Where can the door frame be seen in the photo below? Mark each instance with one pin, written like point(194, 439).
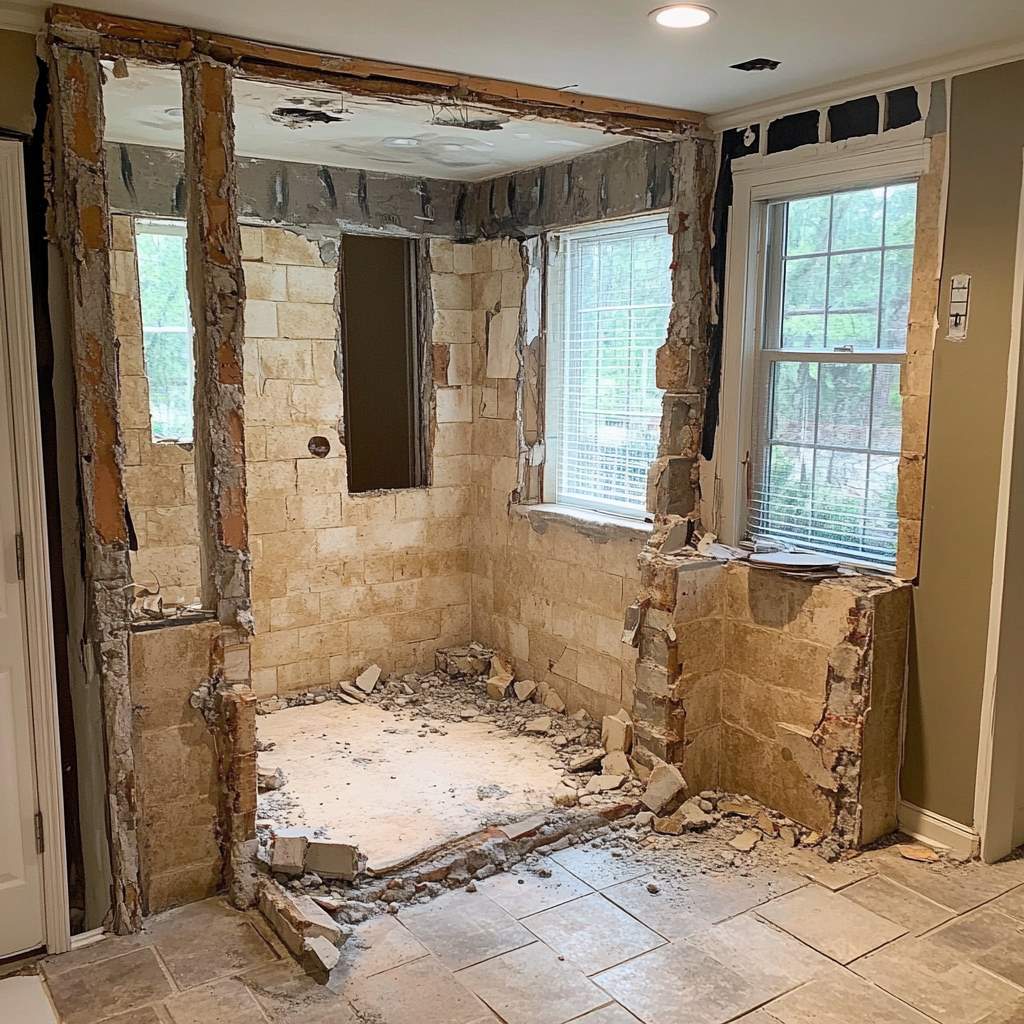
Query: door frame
point(16, 282)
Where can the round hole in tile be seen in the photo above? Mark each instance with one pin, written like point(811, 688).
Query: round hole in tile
point(319, 446)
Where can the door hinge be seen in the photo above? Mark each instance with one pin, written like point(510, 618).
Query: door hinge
point(19, 553)
point(40, 839)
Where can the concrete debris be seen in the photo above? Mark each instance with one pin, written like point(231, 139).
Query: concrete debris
point(367, 679)
point(524, 689)
point(664, 789)
point(539, 725)
point(334, 860)
point(918, 852)
point(746, 840)
point(553, 701)
point(766, 824)
point(288, 854)
point(744, 808)
point(501, 679)
point(456, 662)
point(787, 836)
point(268, 781)
point(349, 690)
point(318, 958)
point(588, 761)
point(604, 783)
point(565, 796)
point(617, 732)
point(616, 763)
point(296, 919)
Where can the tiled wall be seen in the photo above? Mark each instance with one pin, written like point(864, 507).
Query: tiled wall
point(341, 581)
point(550, 594)
point(786, 680)
point(160, 477)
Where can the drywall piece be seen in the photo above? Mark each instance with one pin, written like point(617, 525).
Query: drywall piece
point(83, 228)
point(217, 294)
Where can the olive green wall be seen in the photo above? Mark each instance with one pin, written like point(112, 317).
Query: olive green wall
point(947, 658)
point(17, 80)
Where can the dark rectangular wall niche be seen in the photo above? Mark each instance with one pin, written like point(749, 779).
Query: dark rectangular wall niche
point(380, 372)
point(901, 108)
point(853, 119)
point(792, 131)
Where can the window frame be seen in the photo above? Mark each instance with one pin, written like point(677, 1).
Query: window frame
point(759, 181)
point(555, 276)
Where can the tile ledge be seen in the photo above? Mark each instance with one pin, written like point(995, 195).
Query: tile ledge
point(597, 525)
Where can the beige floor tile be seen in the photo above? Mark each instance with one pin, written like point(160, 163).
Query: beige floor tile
point(678, 984)
point(833, 876)
point(93, 991)
point(610, 1014)
point(934, 982)
point(593, 933)
point(673, 911)
point(898, 904)
point(289, 996)
point(533, 986)
point(830, 923)
point(105, 949)
point(521, 892)
point(464, 928)
point(208, 940)
point(975, 934)
point(143, 1015)
point(423, 992)
point(773, 960)
point(379, 945)
point(227, 1001)
point(961, 887)
point(599, 868)
point(841, 998)
point(1011, 903)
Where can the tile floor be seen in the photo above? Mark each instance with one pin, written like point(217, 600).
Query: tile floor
point(875, 941)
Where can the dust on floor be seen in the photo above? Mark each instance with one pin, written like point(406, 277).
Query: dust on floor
point(394, 787)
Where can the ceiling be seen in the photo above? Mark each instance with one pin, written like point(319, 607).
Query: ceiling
point(610, 47)
point(366, 133)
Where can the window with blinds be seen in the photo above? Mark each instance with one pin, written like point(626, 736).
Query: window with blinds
point(166, 327)
point(833, 339)
point(609, 296)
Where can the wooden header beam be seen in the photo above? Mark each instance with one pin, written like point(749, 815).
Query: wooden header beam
point(158, 42)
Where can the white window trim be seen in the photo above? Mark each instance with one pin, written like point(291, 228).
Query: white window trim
point(758, 180)
point(555, 272)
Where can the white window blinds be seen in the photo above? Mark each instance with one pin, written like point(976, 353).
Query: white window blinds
point(166, 327)
point(833, 338)
point(608, 305)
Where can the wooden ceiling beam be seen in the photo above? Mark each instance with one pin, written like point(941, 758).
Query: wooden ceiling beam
point(135, 38)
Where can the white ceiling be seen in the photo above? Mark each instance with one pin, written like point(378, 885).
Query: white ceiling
point(610, 48)
point(361, 132)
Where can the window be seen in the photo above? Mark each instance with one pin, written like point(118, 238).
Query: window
point(381, 379)
point(610, 293)
point(832, 338)
point(166, 327)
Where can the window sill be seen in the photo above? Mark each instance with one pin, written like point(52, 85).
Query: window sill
point(599, 525)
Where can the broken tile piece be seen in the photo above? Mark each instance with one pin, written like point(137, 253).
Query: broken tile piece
point(319, 957)
point(616, 763)
point(288, 854)
point(367, 679)
point(745, 841)
point(664, 788)
point(334, 860)
point(524, 689)
point(617, 732)
point(539, 725)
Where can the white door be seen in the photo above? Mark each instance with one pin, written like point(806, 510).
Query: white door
point(21, 875)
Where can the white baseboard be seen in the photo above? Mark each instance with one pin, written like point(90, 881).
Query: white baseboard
point(935, 830)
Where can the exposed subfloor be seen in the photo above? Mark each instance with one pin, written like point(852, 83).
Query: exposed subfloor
point(601, 935)
point(394, 787)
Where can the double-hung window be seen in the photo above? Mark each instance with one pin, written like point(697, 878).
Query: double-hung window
point(166, 327)
point(831, 339)
point(609, 296)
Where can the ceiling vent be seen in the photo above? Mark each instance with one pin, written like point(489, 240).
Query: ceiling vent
point(757, 64)
point(303, 117)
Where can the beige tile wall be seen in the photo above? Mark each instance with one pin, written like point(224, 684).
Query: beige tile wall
point(551, 595)
point(341, 581)
point(160, 478)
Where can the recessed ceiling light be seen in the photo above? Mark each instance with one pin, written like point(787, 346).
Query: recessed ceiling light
point(401, 143)
point(682, 15)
